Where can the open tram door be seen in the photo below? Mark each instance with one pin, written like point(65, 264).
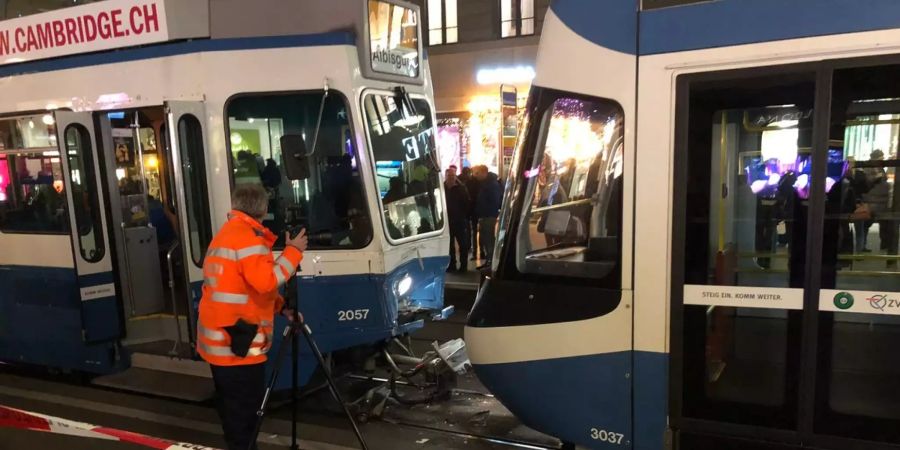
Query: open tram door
point(186, 137)
point(155, 173)
point(78, 150)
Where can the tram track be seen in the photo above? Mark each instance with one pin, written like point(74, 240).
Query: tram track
point(468, 435)
point(482, 438)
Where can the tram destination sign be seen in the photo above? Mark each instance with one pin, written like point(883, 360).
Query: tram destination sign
point(392, 50)
point(743, 296)
point(101, 26)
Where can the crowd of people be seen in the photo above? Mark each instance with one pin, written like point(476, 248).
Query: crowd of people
point(867, 197)
point(474, 197)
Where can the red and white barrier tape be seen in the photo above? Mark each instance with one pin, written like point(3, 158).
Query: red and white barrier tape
point(16, 418)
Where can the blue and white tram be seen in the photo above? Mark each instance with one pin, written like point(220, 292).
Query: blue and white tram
point(699, 241)
point(116, 168)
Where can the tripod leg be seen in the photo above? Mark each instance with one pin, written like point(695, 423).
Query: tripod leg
point(334, 391)
point(295, 385)
point(278, 359)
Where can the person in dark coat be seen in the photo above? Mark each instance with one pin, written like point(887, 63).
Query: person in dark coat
point(473, 186)
point(458, 206)
point(465, 176)
point(271, 176)
point(487, 209)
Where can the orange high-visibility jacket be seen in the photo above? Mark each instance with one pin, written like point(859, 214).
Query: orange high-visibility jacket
point(241, 281)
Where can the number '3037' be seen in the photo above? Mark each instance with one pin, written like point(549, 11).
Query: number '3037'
point(607, 436)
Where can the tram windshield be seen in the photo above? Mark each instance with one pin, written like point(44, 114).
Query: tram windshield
point(330, 204)
point(406, 166)
point(575, 187)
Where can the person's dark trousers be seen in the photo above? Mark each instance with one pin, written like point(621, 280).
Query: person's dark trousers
point(459, 239)
point(473, 236)
point(890, 241)
point(239, 393)
point(887, 230)
point(486, 227)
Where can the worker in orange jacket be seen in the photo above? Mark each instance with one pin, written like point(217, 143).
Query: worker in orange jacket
point(237, 310)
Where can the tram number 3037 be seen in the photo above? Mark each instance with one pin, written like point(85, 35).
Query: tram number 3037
point(353, 314)
point(607, 436)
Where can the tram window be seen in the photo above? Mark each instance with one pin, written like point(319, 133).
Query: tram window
point(33, 199)
point(84, 196)
point(331, 203)
point(574, 217)
point(859, 360)
point(406, 166)
point(32, 195)
point(190, 137)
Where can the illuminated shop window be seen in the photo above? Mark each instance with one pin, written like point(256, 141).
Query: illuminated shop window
point(516, 18)
point(442, 24)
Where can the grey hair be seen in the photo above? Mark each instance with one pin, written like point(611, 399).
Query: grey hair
point(251, 199)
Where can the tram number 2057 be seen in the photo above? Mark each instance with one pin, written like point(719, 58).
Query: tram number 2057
point(353, 314)
point(607, 436)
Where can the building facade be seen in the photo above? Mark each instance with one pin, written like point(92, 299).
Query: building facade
point(482, 55)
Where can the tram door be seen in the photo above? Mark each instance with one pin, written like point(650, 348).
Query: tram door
point(156, 175)
point(79, 156)
point(186, 137)
point(786, 288)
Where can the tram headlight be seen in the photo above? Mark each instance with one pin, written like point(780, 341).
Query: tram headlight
point(402, 286)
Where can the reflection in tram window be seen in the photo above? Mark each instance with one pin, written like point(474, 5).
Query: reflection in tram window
point(406, 166)
point(330, 204)
point(859, 361)
point(576, 185)
point(32, 196)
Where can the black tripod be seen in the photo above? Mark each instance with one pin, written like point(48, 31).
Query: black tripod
point(290, 332)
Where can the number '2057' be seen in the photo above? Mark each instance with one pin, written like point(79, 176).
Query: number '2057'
point(353, 314)
point(607, 436)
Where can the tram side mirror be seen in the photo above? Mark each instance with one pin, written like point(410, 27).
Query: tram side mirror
point(296, 157)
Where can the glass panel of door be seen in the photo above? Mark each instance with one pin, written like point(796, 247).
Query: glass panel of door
point(745, 243)
point(859, 304)
point(749, 274)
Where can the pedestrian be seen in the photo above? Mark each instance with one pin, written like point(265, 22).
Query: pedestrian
point(487, 209)
point(458, 206)
point(472, 186)
point(238, 306)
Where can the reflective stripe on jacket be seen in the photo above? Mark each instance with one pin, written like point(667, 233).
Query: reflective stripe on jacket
point(241, 281)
